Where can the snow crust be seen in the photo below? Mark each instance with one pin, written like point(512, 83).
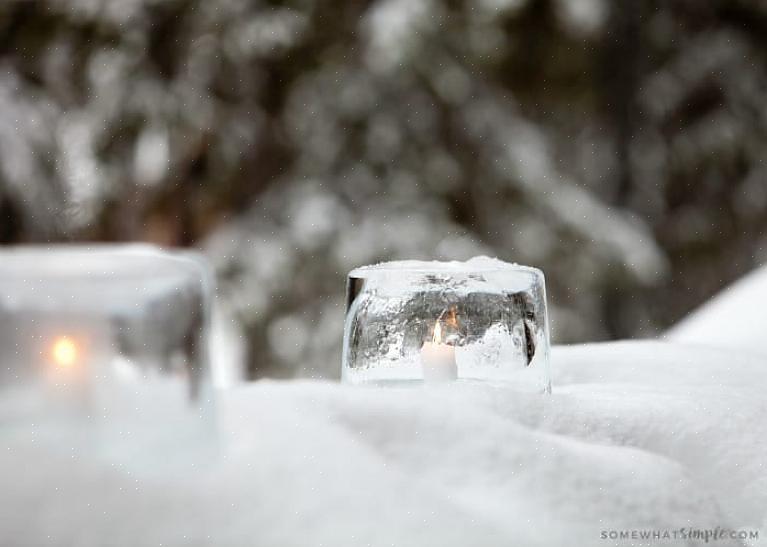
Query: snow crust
point(90, 279)
point(636, 435)
point(480, 273)
point(477, 264)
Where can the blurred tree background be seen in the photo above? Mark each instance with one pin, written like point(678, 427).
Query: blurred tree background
point(619, 146)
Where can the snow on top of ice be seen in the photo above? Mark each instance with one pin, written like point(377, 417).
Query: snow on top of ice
point(86, 278)
point(86, 262)
point(477, 264)
point(480, 273)
point(735, 318)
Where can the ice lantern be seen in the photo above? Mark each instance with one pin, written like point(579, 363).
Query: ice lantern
point(438, 322)
point(108, 342)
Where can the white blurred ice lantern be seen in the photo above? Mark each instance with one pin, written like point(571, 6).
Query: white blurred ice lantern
point(437, 322)
point(105, 343)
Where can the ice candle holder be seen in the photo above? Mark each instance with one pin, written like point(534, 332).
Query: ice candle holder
point(106, 344)
point(439, 322)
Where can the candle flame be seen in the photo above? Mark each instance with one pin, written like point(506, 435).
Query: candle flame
point(64, 352)
point(450, 318)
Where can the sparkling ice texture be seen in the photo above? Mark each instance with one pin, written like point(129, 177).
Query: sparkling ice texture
point(492, 313)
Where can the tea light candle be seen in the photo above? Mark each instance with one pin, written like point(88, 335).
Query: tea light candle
point(65, 352)
point(107, 341)
point(438, 359)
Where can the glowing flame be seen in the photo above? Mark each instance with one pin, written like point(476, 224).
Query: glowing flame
point(452, 317)
point(437, 337)
point(64, 352)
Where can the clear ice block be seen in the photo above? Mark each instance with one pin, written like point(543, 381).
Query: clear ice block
point(414, 321)
point(106, 344)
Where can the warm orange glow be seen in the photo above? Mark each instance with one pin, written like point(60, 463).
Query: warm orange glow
point(452, 317)
point(64, 351)
point(451, 320)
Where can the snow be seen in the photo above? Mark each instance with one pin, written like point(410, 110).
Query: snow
point(477, 264)
point(92, 279)
point(637, 435)
point(475, 274)
point(735, 318)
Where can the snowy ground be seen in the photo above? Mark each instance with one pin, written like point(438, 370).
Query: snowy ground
point(736, 318)
point(637, 435)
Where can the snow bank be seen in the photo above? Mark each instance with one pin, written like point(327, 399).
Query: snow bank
point(702, 408)
point(735, 318)
point(637, 435)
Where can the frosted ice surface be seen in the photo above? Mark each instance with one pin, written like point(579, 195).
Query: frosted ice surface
point(493, 313)
point(79, 279)
point(475, 264)
point(477, 272)
point(100, 342)
point(136, 300)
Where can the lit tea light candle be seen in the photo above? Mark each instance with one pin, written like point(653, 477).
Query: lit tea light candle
point(65, 360)
point(438, 359)
point(64, 352)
